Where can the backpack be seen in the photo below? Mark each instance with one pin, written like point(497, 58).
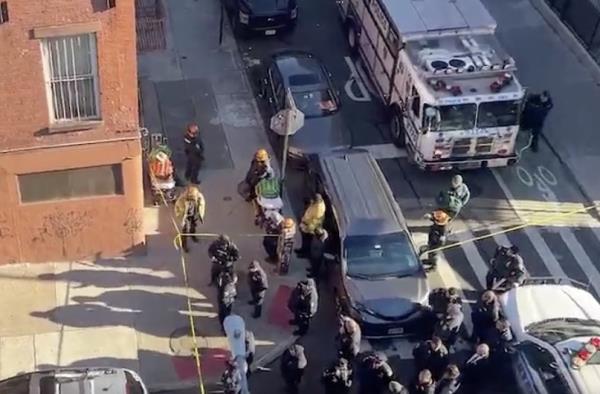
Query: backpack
point(449, 201)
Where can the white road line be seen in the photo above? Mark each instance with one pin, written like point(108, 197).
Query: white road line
point(582, 258)
point(534, 236)
point(384, 151)
point(476, 262)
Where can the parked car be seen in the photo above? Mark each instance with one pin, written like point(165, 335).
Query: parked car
point(314, 94)
point(556, 326)
point(75, 381)
point(267, 17)
point(377, 276)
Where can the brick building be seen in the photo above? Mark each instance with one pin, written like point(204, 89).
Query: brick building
point(70, 154)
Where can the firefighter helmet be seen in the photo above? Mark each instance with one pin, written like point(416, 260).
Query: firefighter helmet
point(261, 155)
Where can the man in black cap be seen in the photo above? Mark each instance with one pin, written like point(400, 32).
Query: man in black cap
point(537, 108)
point(194, 153)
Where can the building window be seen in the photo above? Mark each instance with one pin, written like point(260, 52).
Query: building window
point(71, 70)
point(69, 184)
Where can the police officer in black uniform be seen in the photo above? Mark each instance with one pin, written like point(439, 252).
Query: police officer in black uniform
point(227, 292)
point(337, 379)
point(317, 252)
point(431, 355)
point(194, 153)
point(448, 327)
point(293, 362)
point(375, 374)
point(303, 303)
point(485, 314)
point(450, 381)
point(223, 253)
point(258, 283)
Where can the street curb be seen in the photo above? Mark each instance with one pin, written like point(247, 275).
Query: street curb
point(274, 353)
point(568, 37)
point(183, 385)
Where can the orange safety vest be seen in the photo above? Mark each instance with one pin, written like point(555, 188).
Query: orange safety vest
point(162, 169)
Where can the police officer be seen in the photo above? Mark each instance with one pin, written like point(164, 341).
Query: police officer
point(375, 374)
point(227, 292)
point(223, 253)
point(499, 339)
point(348, 338)
point(317, 251)
point(250, 342)
point(477, 369)
point(231, 378)
point(448, 328)
point(337, 379)
point(258, 283)
point(507, 268)
point(293, 362)
point(485, 314)
point(194, 153)
point(303, 303)
point(449, 383)
point(189, 210)
point(441, 298)
point(431, 355)
point(424, 383)
point(536, 110)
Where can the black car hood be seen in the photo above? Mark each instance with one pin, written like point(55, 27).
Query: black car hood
point(268, 7)
point(320, 135)
point(388, 298)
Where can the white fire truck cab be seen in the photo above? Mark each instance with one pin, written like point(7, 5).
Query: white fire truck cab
point(452, 92)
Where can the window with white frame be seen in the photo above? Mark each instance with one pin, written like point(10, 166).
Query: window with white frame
point(71, 71)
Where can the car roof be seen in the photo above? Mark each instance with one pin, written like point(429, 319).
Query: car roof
point(363, 202)
point(300, 70)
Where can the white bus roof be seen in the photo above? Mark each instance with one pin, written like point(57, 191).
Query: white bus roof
point(415, 19)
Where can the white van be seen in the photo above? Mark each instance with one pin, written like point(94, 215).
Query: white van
point(556, 324)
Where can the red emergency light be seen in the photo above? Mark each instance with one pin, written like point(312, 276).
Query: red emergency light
point(584, 354)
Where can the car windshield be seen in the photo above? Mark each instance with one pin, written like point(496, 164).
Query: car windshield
point(315, 103)
point(499, 114)
point(557, 330)
point(380, 256)
point(545, 366)
point(455, 117)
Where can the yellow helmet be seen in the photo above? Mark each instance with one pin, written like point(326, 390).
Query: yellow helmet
point(261, 155)
point(288, 223)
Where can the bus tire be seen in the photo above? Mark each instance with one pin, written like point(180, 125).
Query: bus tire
point(397, 131)
point(353, 36)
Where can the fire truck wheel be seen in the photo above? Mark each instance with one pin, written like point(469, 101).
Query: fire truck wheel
point(353, 37)
point(397, 127)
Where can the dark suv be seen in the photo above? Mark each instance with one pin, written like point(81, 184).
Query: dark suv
point(264, 16)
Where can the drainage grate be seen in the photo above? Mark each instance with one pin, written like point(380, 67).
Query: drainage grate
point(150, 25)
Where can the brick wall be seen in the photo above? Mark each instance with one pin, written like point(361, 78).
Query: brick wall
point(23, 101)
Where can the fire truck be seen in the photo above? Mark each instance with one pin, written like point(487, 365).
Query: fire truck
point(451, 89)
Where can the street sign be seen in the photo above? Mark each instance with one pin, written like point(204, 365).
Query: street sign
point(287, 121)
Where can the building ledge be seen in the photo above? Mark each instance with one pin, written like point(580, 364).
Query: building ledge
point(74, 126)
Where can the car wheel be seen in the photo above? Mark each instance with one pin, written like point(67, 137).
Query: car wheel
point(397, 127)
point(239, 30)
point(353, 37)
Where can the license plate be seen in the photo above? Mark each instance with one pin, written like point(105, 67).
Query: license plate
point(396, 331)
point(475, 164)
point(270, 32)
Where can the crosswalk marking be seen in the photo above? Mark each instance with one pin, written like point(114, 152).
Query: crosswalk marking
point(582, 258)
point(534, 236)
point(477, 262)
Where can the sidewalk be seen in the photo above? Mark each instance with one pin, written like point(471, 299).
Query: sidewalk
point(550, 57)
point(132, 312)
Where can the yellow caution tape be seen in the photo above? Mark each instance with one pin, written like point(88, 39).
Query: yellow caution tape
point(538, 222)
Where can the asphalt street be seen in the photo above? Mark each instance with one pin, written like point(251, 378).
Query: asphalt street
point(534, 190)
